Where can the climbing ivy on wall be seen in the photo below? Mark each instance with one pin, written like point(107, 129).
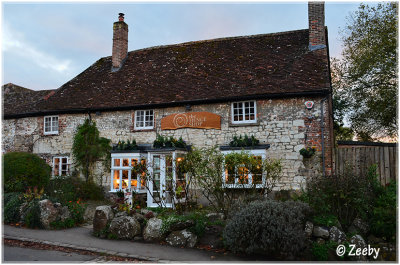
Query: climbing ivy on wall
point(89, 147)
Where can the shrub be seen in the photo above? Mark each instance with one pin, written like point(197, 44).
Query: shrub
point(71, 188)
point(32, 214)
point(383, 218)
point(267, 227)
point(344, 196)
point(22, 170)
point(12, 204)
point(77, 209)
point(67, 223)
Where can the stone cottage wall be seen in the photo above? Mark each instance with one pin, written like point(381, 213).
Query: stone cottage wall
point(285, 124)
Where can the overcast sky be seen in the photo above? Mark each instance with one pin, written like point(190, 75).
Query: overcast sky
point(44, 45)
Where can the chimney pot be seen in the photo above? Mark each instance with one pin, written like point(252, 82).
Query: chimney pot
point(121, 16)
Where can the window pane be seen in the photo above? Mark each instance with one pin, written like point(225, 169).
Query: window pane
point(125, 177)
point(56, 167)
point(116, 162)
point(125, 162)
point(116, 179)
point(243, 175)
point(257, 171)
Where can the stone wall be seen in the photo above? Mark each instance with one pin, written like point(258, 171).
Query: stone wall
point(285, 124)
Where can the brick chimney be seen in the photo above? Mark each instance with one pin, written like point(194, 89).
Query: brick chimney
point(316, 25)
point(120, 43)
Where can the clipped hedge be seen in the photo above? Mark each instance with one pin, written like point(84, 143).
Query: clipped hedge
point(22, 170)
point(268, 227)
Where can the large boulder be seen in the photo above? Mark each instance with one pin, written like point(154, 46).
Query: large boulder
point(360, 226)
point(359, 242)
point(64, 213)
point(48, 213)
point(102, 216)
point(320, 231)
point(125, 227)
point(152, 231)
point(336, 235)
point(182, 238)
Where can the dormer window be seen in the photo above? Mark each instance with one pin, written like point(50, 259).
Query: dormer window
point(51, 125)
point(144, 119)
point(244, 112)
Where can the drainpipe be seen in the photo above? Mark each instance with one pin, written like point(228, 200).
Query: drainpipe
point(322, 135)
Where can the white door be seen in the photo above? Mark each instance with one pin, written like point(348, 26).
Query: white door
point(160, 181)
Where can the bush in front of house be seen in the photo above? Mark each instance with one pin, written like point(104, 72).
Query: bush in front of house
point(22, 170)
point(12, 203)
point(344, 196)
point(268, 227)
point(71, 188)
point(383, 215)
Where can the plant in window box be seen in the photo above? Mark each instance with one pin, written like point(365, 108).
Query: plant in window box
point(165, 142)
point(244, 142)
point(307, 152)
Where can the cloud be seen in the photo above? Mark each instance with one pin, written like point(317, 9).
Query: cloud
point(14, 42)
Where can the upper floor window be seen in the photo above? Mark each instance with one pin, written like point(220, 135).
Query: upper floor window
point(60, 166)
point(244, 112)
point(144, 119)
point(51, 125)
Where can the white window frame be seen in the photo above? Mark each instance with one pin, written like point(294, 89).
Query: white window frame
point(244, 121)
point(120, 168)
point(255, 152)
point(145, 113)
point(52, 129)
point(60, 165)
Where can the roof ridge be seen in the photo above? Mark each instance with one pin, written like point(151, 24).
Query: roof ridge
point(215, 40)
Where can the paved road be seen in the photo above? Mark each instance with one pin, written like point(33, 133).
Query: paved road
point(17, 254)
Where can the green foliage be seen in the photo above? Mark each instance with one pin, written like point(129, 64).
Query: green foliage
point(342, 133)
point(121, 145)
point(267, 227)
point(165, 142)
point(12, 204)
point(22, 170)
point(77, 209)
point(307, 152)
point(88, 147)
point(67, 223)
point(243, 142)
point(345, 196)
point(383, 218)
point(321, 251)
point(71, 188)
point(325, 220)
point(366, 78)
point(205, 165)
point(32, 214)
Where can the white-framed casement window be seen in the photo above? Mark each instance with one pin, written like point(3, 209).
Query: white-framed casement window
point(123, 175)
point(51, 125)
point(244, 112)
point(242, 177)
point(60, 166)
point(144, 119)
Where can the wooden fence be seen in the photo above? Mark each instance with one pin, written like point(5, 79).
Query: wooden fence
point(357, 157)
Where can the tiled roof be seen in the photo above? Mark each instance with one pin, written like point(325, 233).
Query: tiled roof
point(218, 69)
point(18, 99)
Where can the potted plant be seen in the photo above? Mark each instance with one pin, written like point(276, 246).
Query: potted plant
point(308, 152)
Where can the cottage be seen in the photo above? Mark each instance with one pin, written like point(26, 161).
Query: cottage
point(275, 87)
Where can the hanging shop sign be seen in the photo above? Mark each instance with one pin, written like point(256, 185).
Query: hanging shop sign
point(200, 120)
